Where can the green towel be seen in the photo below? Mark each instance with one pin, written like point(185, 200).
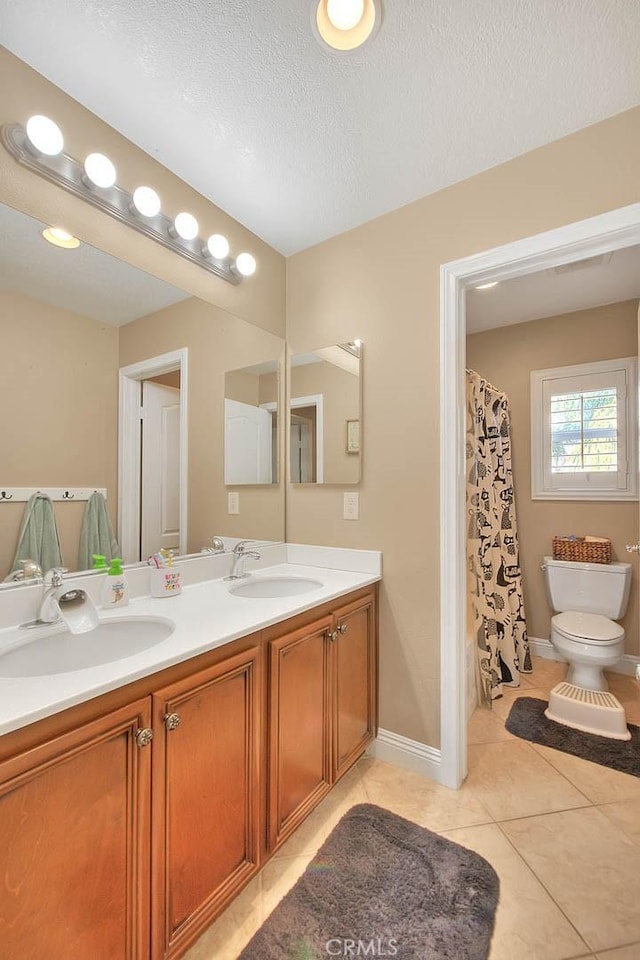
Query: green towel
point(38, 539)
point(96, 535)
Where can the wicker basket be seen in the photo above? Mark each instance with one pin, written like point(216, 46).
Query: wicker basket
point(586, 551)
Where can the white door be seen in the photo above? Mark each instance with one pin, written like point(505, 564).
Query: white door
point(247, 443)
point(300, 452)
point(160, 474)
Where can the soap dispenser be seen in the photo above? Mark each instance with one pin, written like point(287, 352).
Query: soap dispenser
point(115, 592)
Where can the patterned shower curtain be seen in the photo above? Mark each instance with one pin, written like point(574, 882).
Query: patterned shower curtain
point(496, 605)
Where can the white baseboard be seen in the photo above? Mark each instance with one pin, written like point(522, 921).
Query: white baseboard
point(408, 754)
point(544, 648)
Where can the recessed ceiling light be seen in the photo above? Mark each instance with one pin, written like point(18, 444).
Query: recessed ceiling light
point(60, 238)
point(487, 286)
point(346, 24)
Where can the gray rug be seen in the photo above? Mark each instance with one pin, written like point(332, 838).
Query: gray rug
point(527, 720)
point(381, 886)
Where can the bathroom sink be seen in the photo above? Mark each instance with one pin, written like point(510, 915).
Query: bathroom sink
point(263, 588)
point(63, 652)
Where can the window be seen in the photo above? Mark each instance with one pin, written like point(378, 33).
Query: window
point(584, 432)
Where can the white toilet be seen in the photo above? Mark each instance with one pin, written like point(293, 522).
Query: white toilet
point(588, 598)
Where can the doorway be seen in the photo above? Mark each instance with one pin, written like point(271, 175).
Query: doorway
point(588, 238)
point(152, 456)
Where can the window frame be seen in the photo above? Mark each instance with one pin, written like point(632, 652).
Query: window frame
point(579, 486)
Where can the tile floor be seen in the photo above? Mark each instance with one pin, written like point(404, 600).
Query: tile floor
point(562, 833)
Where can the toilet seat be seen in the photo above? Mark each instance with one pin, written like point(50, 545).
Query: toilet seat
point(587, 628)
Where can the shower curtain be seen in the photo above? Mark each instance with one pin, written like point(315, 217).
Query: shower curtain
point(496, 605)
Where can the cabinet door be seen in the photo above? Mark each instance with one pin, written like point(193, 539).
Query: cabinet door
point(355, 682)
point(206, 798)
point(299, 726)
point(74, 844)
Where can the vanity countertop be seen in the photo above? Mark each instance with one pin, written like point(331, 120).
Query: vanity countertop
point(206, 616)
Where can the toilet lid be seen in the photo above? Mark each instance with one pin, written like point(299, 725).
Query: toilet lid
point(590, 626)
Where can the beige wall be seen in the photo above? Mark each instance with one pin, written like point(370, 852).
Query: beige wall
point(59, 419)
point(380, 282)
point(216, 342)
point(23, 92)
point(506, 357)
point(340, 391)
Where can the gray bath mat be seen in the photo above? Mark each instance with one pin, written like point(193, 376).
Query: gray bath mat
point(527, 720)
point(381, 886)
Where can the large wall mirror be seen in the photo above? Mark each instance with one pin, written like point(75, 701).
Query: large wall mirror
point(70, 320)
point(325, 415)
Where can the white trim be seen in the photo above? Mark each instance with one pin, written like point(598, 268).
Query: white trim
point(314, 400)
point(408, 754)
point(577, 241)
point(130, 378)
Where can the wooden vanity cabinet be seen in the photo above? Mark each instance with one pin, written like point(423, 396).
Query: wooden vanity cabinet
point(322, 683)
point(206, 797)
point(74, 825)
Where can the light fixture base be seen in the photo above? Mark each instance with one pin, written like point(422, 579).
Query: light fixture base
point(66, 172)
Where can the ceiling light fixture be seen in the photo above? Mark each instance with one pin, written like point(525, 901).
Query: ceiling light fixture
point(60, 238)
point(39, 145)
point(486, 286)
point(346, 24)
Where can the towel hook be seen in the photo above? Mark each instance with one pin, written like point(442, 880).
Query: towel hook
point(5, 496)
point(68, 496)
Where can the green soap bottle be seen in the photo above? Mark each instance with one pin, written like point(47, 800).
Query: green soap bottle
point(115, 592)
point(99, 562)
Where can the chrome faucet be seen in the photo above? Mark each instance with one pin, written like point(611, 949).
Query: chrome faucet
point(49, 607)
point(240, 555)
point(29, 570)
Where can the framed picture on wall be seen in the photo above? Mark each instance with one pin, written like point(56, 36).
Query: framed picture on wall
point(353, 436)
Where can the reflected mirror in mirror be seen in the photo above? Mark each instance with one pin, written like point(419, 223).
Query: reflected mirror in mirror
point(70, 320)
point(251, 425)
point(325, 413)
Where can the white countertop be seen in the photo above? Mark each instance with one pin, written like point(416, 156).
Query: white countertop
point(206, 616)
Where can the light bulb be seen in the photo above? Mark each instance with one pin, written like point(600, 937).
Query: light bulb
point(100, 171)
point(146, 201)
point(218, 246)
point(60, 238)
point(186, 226)
point(345, 14)
point(245, 264)
point(45, 135)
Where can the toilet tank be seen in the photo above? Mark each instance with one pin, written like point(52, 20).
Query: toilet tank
point(590, 587)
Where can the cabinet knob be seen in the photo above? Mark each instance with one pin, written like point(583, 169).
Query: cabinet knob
point(172, 721)
point(342, 628)
point(144, 737)
point(333, 635)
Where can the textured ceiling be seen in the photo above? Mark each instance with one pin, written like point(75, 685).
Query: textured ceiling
point(298, 143)
point(86, 281)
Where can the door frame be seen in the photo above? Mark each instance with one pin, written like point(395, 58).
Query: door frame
point(314, 400)
point(129, 445)
point(597, 235)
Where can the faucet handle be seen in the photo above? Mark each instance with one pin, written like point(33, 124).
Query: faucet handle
point(54, 577)
point(241, 546)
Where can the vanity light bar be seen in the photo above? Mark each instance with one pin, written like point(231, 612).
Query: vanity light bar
point(71, 175)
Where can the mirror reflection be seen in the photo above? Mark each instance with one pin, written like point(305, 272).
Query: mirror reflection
point(251, 425)
point(324, 412)
point(71, 319)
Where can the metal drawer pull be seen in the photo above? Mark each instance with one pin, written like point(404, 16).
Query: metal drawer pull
point(144, 737)
point(171, 721)
point(332, 635)
point(342, 628)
